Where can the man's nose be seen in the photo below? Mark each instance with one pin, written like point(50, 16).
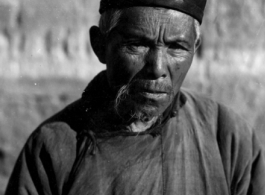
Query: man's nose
point(156, 64)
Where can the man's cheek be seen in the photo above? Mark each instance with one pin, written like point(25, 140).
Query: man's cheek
point(178, 79)
point(119, 72)
point(133, 64)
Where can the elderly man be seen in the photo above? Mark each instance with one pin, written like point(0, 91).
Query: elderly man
point(134, 131)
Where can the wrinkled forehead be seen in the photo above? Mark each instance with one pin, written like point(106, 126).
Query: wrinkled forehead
point(151, 18)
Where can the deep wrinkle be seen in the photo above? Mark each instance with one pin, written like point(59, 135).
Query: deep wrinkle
point(152, 47)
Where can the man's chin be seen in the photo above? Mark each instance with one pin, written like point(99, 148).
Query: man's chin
point(138, 111)
point(148, 110)
point(145, 112)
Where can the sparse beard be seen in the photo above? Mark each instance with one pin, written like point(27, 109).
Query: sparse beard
point(127, 108)
point(124, 106)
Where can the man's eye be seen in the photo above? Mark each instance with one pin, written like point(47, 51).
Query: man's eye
point(177, 46)
point(136, 47)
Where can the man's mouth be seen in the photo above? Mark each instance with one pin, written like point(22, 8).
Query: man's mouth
point(151, 93)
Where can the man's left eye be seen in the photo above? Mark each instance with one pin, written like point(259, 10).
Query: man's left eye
point(177, 46)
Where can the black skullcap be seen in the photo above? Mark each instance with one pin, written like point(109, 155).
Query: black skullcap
point(193, 8)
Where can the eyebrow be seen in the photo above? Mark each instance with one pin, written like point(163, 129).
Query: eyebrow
point(178, 40)
point(134, 34)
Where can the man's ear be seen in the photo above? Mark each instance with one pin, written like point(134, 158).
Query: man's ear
point(198, 43)
point(97, 40)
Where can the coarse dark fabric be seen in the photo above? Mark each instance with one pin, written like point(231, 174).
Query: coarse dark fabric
point(194, 8)
point(200, 148)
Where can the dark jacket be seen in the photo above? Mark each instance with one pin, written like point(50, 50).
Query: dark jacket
point(201, 148)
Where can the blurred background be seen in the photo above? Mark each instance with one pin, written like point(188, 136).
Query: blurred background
point(46, 61)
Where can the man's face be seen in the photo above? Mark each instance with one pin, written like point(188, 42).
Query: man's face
point(150, 51)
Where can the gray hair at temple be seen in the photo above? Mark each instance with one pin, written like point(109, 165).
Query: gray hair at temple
point(110, 19)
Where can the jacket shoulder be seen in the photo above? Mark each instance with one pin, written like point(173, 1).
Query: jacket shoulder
point(224, 117)
point(241, 154)
point(217, 120)
point(59, 129)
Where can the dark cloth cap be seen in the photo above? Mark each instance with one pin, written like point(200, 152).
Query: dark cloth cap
point(193, 8)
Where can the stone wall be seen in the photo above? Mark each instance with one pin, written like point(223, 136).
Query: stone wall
point(47, 27)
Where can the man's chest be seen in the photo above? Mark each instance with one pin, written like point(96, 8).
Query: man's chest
point(165, 164)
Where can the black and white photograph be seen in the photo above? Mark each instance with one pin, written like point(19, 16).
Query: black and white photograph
point(132, 97)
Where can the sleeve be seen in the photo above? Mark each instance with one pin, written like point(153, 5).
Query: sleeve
point(257, 182)
point(44, 164)
point(29, 176)
point(242, 155)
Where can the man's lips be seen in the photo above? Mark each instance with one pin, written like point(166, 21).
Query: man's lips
point(155, 91)
point(150, 89)
point(151, 93)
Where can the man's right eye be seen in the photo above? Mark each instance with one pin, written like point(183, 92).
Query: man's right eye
point(136, 47)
